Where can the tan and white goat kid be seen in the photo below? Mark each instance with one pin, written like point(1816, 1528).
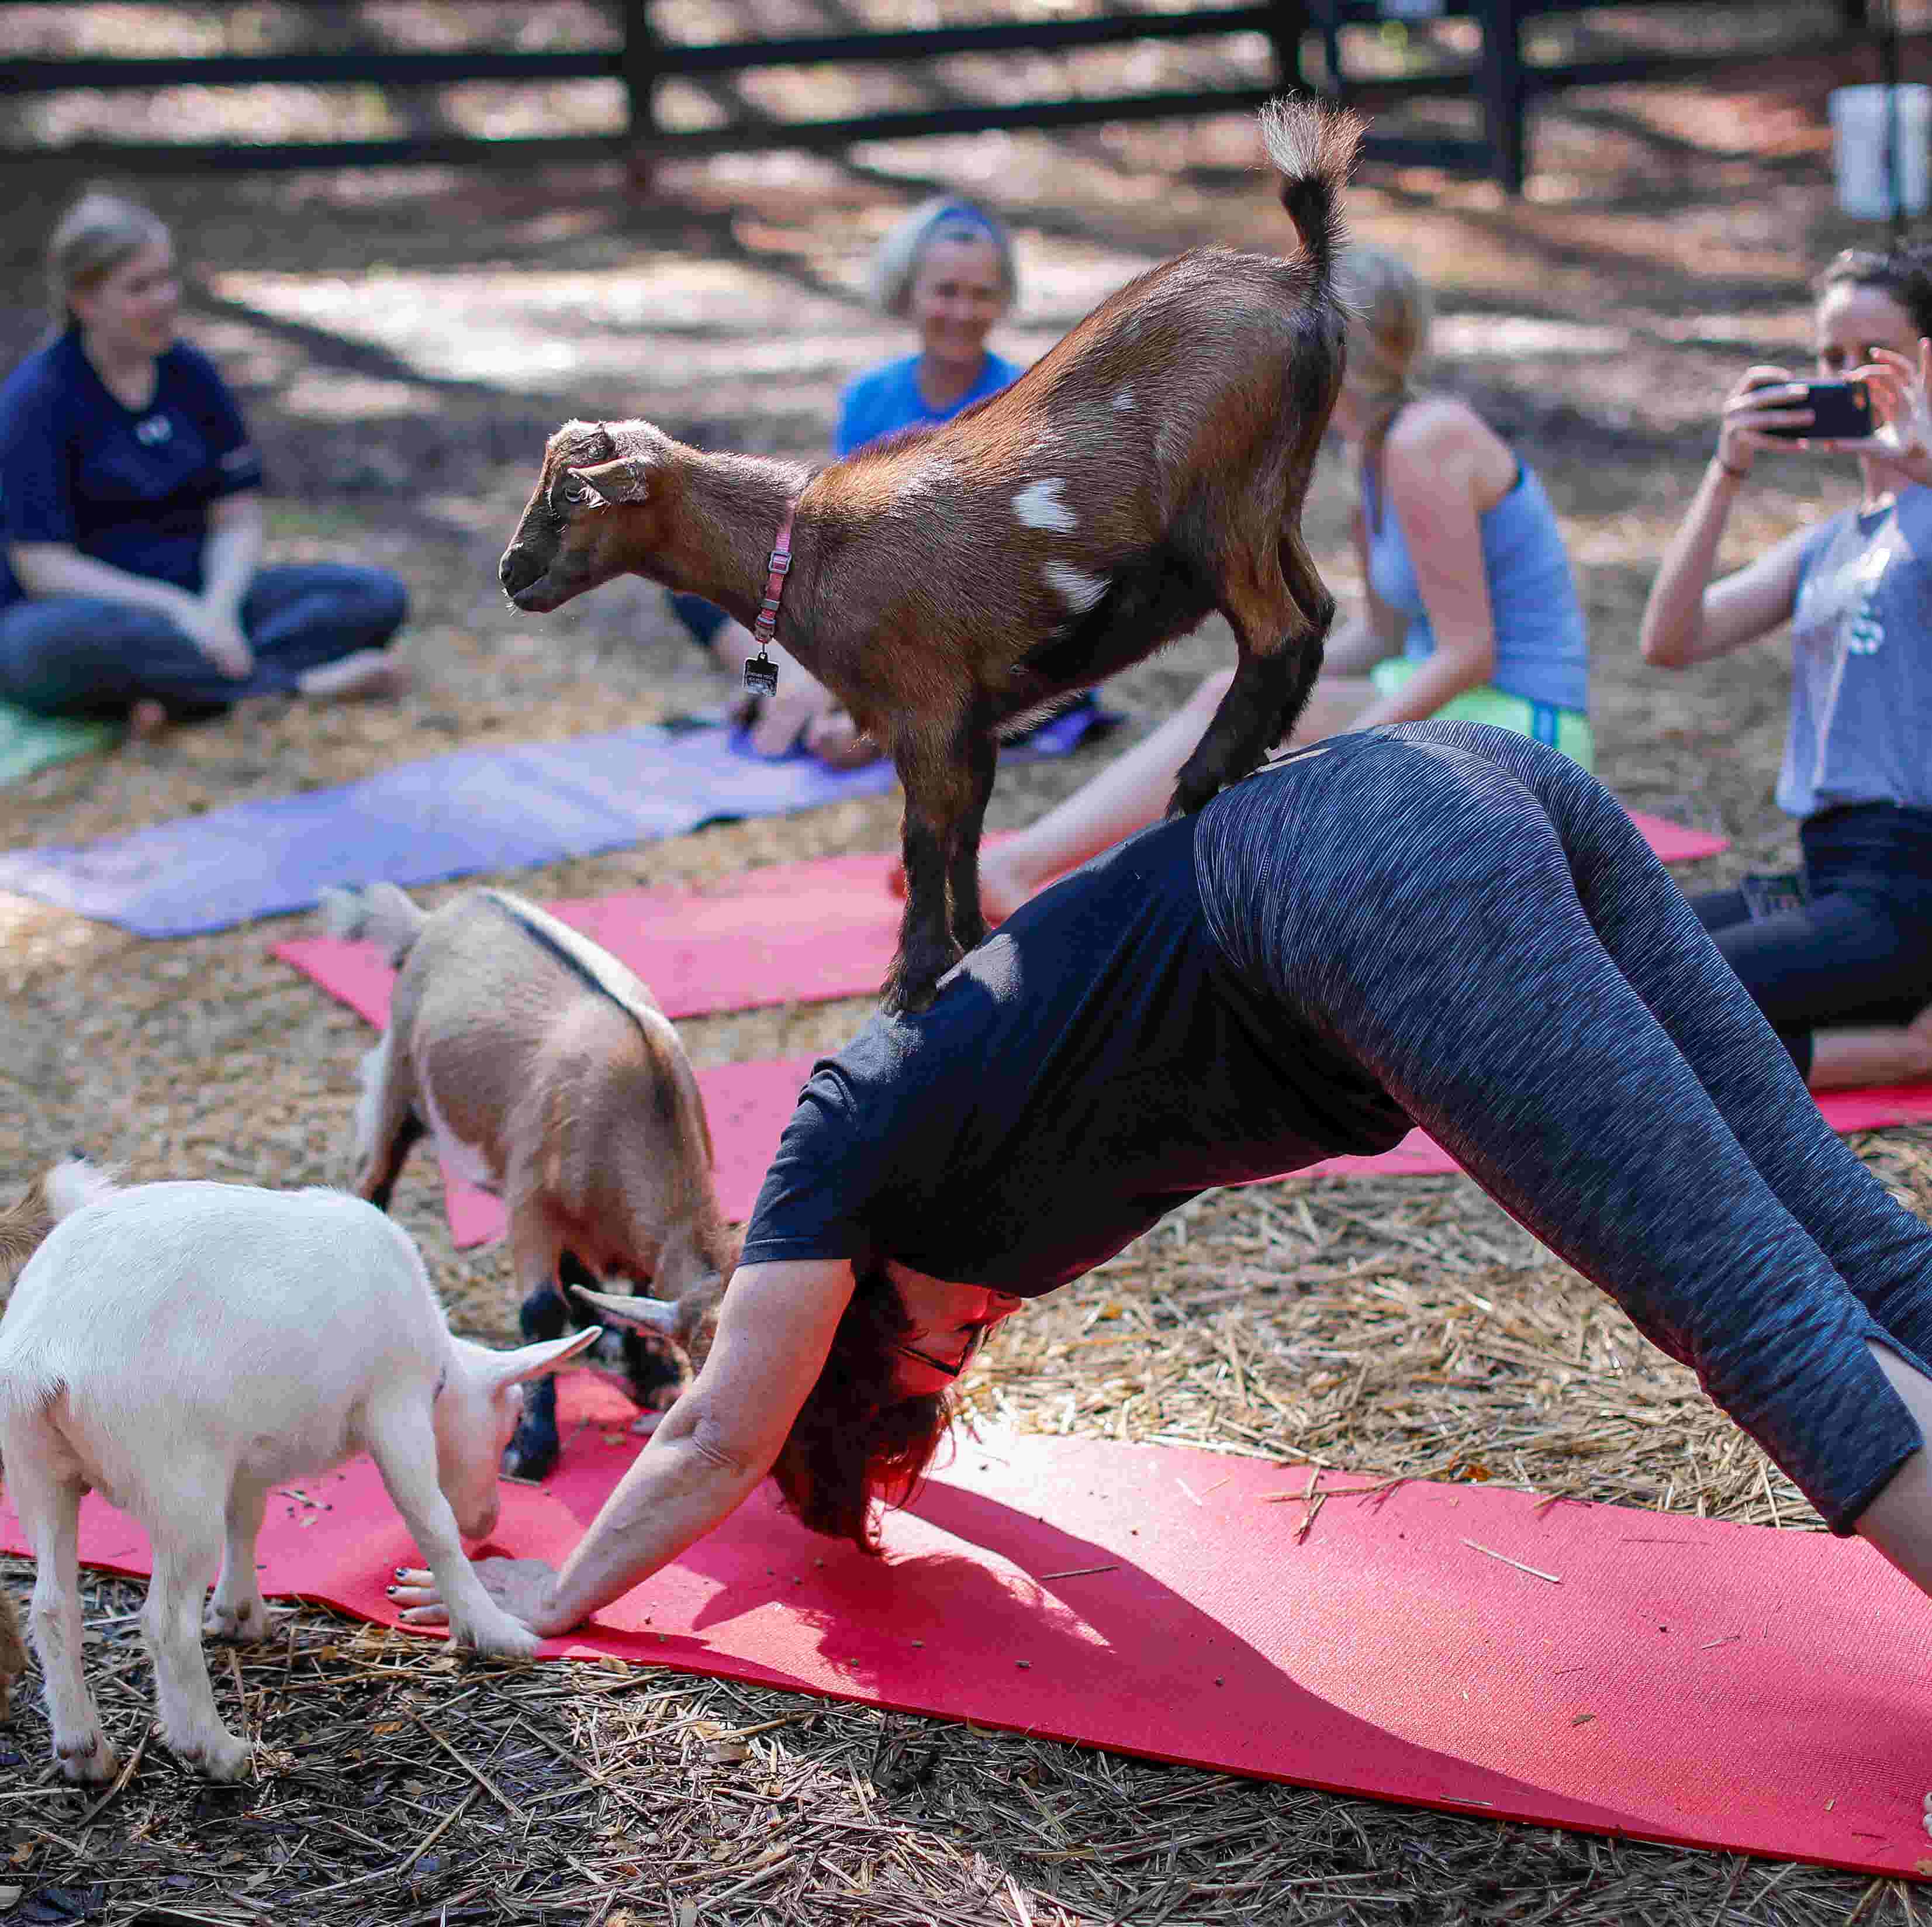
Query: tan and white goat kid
point(546, 1074)
point(182, 1348)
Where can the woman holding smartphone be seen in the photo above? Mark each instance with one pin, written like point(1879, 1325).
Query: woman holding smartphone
point(1841, 962)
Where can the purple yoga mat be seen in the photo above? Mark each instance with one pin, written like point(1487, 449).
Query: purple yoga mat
point(450, 816)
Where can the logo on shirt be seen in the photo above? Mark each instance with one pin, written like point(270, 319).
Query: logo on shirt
point(1847, 598)
point(154, 431)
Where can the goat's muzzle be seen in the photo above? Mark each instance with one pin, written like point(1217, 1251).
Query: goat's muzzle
point(520, 573)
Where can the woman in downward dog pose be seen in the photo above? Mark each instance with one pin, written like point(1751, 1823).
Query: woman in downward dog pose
point(1361, 935)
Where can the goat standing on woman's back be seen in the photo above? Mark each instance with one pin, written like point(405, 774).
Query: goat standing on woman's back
point(1152, 467)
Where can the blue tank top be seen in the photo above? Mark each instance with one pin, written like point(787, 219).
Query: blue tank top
point(1541, 655)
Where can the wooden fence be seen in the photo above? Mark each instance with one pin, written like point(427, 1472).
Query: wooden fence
point(1500, 79)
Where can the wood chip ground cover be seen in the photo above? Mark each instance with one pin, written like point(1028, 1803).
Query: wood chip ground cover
point(1386, 1329)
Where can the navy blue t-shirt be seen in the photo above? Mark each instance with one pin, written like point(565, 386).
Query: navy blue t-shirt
point(128, 487)
point(1095, 1062)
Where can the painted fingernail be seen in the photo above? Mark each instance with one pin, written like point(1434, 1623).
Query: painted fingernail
point(390, 1590)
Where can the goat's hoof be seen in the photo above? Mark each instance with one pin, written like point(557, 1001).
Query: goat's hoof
point(220, 1755)
point(245, 1622)
point(1190, 797)
point(530, 1458)
point(495, 1636)
point(85, 1758)
point(912, 984)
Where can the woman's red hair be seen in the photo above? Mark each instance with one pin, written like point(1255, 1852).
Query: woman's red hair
point(854, 1441)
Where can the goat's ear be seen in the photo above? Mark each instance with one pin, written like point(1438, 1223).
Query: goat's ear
point(635, 1314)
point(538, 1361)
point(611, 482)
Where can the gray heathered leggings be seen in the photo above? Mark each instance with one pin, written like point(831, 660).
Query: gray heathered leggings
point(1475, 918)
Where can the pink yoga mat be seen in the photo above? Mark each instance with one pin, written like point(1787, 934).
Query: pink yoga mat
point(803, 932)
point(1638, 1674)
point(1419, 1155)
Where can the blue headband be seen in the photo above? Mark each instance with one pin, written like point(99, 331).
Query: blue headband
point(961, 214)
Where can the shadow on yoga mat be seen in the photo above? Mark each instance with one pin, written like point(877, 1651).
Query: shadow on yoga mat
point(450, 816)
point(1631, 1673)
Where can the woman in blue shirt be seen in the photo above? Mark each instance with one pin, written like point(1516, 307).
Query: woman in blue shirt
point(131, 517)
point(1469, 609)
point(948, 269)
point(1840, 956)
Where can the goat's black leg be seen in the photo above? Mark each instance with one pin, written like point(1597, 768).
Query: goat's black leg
point(979, 750)
point(532, 1453)
point(1270, 690)
point(937, 796)
point(378, 1182)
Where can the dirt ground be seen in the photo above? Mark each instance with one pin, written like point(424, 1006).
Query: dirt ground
point(404, 342)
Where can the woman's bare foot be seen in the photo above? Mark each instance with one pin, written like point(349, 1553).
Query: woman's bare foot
point(145, 719)
point(839, 743)
point(366, 676)
point(1004, 883)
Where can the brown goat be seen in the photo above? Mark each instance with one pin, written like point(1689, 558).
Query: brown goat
point(1152, 467)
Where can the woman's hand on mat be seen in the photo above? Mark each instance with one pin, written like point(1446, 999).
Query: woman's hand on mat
point(217, 634)
point(1901, 393)
point(526, 1588)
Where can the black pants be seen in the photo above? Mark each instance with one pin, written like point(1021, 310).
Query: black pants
point(1860, 950)
point(1474, 917)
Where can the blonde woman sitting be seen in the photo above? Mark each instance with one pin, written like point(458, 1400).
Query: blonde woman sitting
point(1469, 611)
point(947, 268)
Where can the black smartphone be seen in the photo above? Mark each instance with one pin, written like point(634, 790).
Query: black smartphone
point(1841, 412)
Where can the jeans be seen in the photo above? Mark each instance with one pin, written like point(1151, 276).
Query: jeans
point(84, 655)
point(1860, 951)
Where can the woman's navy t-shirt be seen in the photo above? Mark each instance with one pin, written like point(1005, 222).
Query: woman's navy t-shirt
point(128, 487)
point(1095, 1062)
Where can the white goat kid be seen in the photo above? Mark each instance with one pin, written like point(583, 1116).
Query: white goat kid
point(182, 1348)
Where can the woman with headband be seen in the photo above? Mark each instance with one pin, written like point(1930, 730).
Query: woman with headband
point(947, 268)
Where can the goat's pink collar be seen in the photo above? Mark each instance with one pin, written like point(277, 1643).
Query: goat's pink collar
point(761, 673)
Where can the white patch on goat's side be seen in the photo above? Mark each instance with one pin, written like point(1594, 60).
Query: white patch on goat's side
point(1123, 402)
point(372, 1073)
point(1039, 506)
point(465, 1162)
point(1075, 587)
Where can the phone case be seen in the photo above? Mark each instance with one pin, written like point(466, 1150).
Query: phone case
point(1841, 412)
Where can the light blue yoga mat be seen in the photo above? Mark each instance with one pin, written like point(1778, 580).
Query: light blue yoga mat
point(478, 809)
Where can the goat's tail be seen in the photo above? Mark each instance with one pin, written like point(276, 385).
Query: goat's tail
point(52, 1196)
point(1313, 147)
point(379, 912)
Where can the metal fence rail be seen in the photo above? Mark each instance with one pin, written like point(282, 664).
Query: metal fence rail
point(1500, 80)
